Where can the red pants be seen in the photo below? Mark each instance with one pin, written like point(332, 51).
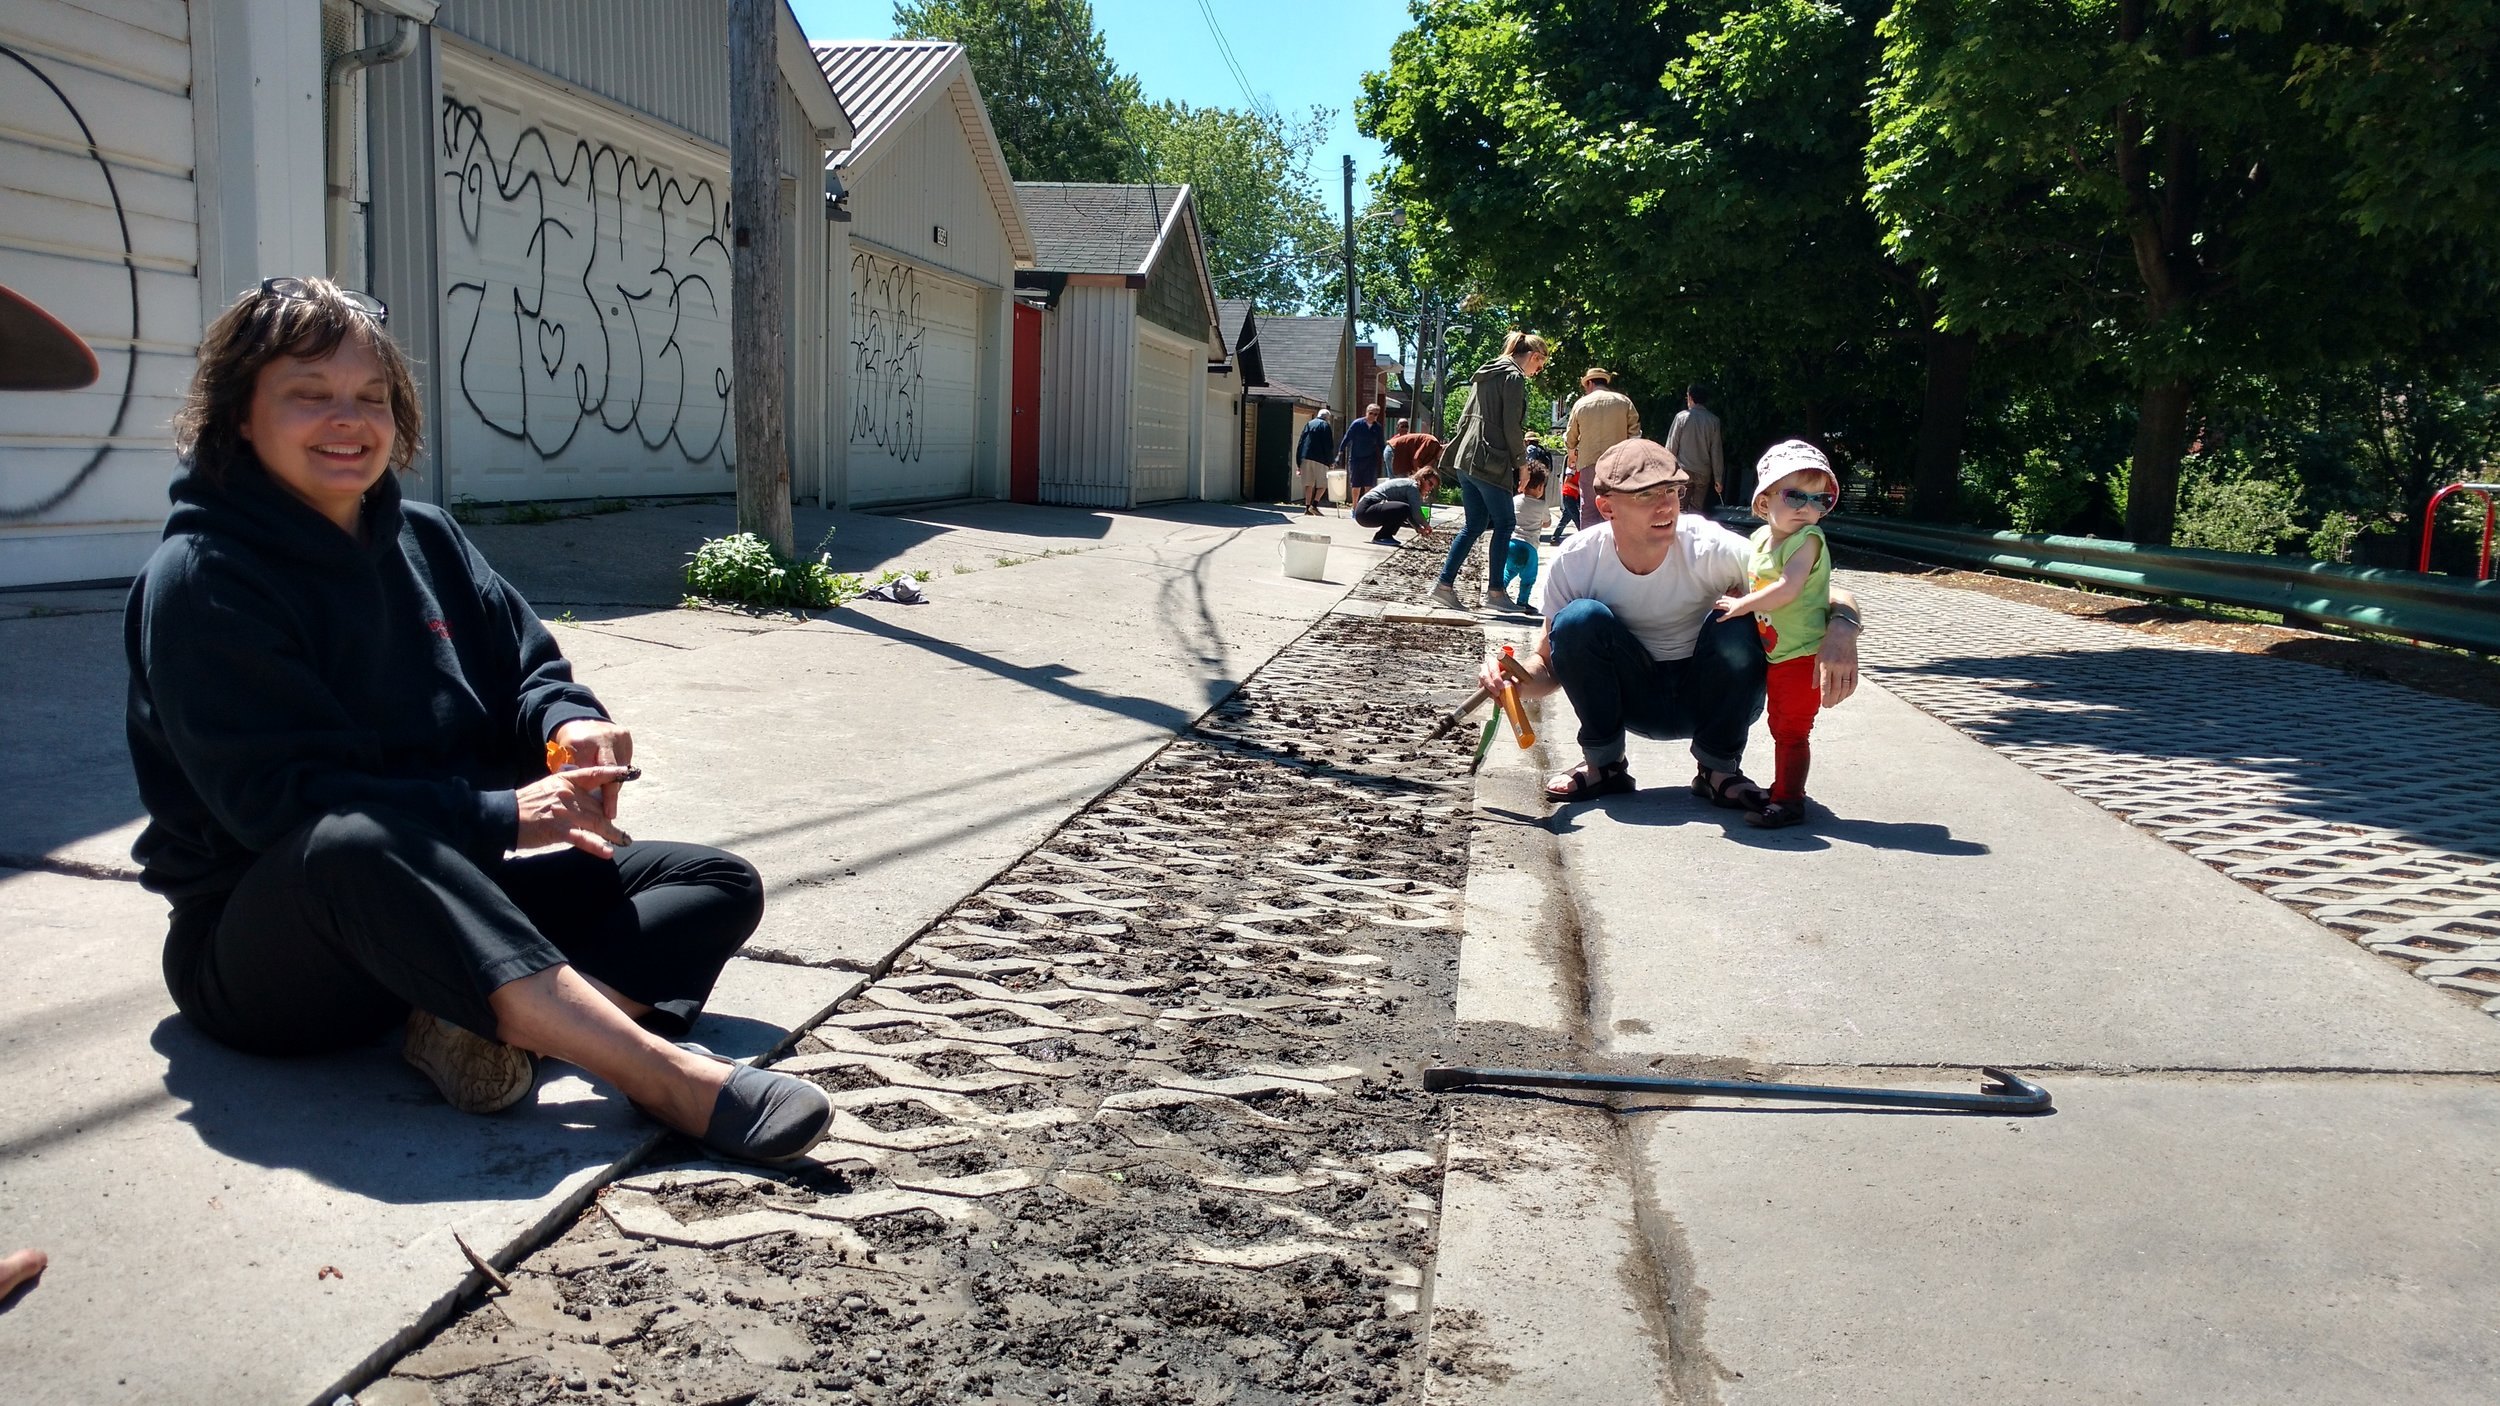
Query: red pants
point(1795, 697)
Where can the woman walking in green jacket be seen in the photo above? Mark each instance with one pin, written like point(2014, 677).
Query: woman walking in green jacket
point(1489, 459)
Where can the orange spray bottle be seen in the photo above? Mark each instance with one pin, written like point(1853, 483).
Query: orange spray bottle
point(1509, 696)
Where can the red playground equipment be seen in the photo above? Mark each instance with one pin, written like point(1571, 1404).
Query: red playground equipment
point(2430, 520)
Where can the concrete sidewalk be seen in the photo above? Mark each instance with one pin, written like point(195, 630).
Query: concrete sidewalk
point(2265, 1180)
point(230, 1229)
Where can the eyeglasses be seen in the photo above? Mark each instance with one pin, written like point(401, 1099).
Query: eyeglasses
point(1799, 498)
point(1650, 497)
point(296, 290)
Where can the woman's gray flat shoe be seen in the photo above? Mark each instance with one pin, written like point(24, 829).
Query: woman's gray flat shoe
point(762, 1116)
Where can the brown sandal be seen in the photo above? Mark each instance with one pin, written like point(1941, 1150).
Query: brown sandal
point(1586, 782)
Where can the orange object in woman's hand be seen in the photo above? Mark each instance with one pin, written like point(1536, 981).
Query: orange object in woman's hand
point(559, 756)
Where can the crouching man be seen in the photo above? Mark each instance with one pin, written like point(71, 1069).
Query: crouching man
point(1630, 635)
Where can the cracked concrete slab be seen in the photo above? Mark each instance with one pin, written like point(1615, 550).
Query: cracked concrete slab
point(2223, 1239)
point(1953, 908)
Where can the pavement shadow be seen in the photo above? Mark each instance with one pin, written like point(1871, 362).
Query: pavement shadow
point(2325, 746)
point(364, 1122)
point(1821, 830)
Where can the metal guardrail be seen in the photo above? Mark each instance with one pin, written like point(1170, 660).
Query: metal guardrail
point(2438, 609)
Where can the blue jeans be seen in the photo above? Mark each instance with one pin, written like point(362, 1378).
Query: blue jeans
point(1488, 511)
point(1614, 685)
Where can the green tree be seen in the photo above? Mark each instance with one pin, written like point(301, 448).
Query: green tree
point(2162, 178)
point(1058, 103)
point(1674, 188)
point(1260, 209)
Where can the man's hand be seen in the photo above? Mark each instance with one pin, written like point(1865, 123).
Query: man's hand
point(599, 743)
point(1836, 663)
point(565, 809)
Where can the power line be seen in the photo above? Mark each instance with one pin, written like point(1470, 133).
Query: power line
point(1224, 49)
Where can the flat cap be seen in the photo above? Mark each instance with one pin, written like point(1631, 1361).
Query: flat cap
point(1634, 465)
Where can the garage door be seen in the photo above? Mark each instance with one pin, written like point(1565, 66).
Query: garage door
point(586, 297)
point(1162, 430)
point(914, 388)
point(98, 224)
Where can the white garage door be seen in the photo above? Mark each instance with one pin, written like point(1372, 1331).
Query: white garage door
point(1162, 429)
point(98, 224)
point(585, 334)
point(914, 403)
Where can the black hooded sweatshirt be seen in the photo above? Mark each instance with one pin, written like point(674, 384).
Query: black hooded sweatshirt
point(281, 669)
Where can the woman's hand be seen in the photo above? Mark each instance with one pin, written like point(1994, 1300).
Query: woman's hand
point(565, 808)
point(597, 742)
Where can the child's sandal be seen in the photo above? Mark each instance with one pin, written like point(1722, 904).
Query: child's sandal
point(1777, 815)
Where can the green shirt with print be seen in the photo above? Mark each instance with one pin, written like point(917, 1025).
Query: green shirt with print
point(1795, 629)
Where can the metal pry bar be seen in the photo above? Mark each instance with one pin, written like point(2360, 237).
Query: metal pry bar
point(2006, 1092)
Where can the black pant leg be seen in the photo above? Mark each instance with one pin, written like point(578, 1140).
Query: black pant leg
point(657, 923)
point(334, 934)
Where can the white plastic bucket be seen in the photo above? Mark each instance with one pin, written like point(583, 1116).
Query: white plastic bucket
point(1306, 555)
point(1337, 487)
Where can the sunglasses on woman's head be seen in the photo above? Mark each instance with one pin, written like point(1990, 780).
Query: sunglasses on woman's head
point(296, 290)
point(1799, 498)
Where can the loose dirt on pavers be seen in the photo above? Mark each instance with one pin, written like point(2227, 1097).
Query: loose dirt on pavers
point(1137, 1122)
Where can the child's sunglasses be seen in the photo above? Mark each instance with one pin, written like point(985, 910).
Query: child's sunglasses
point(1799, 498)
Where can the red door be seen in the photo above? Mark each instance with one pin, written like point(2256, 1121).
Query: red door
point(1024, 439)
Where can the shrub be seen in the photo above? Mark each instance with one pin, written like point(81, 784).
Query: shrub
point(744, 570)
point(2251, 515)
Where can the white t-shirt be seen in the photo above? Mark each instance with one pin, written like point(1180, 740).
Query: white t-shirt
point(1531, 513)
point(1666, 608)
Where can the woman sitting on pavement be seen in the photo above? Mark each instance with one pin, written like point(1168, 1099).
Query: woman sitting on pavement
point(1399, 502)
point(342, 719)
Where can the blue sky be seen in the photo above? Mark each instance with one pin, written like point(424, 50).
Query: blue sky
point(1297, 54)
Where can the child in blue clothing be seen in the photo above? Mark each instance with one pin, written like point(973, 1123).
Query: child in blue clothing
point(1530, 509)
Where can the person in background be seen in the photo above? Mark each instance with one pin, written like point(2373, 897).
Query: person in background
point(1358, 453)
point(1490, 455)
point(1694, 441)
point(1311, 460)
point(1601, 418)
point(1399, 502)
point(1568, 520)
point(1409, 451)
point(1529, 512)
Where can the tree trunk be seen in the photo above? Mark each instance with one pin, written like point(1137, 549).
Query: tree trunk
point(758, 275)
point(2153, 475)
point(1936, 473)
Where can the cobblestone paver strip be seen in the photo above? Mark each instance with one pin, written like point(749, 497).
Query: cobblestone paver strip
point(2371, 808)
point(1134, 1123)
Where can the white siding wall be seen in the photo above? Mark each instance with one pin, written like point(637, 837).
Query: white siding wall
point(1089, 348)
point(1219, 456)
point(924, 177)
point(107, 240)
point(666, 58)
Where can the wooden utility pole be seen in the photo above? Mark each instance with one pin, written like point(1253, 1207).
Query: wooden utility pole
point(757, 273)
point(1353, 383)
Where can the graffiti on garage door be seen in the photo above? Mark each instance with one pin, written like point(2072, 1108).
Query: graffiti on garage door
point(592, 298)
point(887, 331)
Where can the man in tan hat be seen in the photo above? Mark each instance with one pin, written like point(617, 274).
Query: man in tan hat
point(1631, 636)
point(1601, 418)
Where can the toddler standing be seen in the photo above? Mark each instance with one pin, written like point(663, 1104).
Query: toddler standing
point(1530, 510)
point(1790, 600)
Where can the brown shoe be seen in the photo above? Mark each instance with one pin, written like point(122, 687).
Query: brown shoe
point(476, 1075)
